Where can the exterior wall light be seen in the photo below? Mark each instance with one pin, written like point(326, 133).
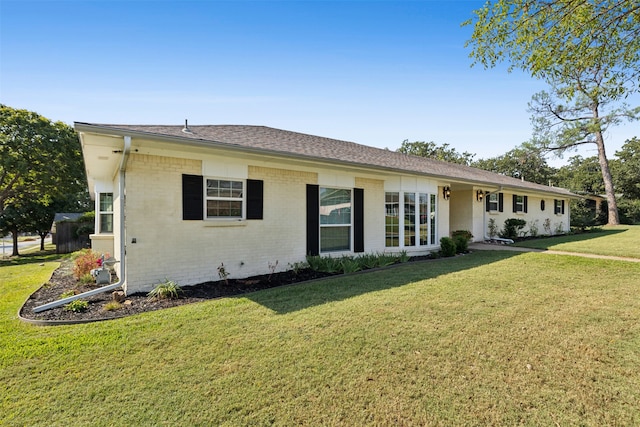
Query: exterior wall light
point(446, 192)
point(479, 195)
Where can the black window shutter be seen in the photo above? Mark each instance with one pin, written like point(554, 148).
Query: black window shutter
point(192, 197)
point(487, 202)
point(563, 207)
point(555, 206)
point(255, 197)
point(313, 219)
point(500, 202)
point(515, 201)
point(526, 203)
point(358, 220)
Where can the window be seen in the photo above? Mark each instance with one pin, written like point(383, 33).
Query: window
point(335, 219)
point(418, 212)
point(392, 220)
point(224, 198)
point(520, 203)
point(105, 213)
point(542, 205)
point(409, 219)
point(221, 198)
point(494, 202)
point(558, 207)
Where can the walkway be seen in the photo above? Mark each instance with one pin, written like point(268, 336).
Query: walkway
point(478, 246)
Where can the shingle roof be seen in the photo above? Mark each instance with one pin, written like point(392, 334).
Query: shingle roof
point(283, 142)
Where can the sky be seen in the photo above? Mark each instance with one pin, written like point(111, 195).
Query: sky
point(372, 72)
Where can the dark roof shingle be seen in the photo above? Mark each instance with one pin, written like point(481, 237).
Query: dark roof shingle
point(283, 142)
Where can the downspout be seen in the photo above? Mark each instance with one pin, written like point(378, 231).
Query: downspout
point(121, 188)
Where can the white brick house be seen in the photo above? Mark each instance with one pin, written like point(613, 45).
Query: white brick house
point(248, 196)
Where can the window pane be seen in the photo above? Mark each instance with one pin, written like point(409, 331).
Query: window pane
point(106, 223)
point(392, 220)
point(335, 206)
point(335, 239)
point(409, 219)
point(433, 219)
point(222, 188)
point(224, 208)
point(106, 202)
point(424, 219)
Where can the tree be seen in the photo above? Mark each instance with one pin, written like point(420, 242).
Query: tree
point(41, 167)
point(523, 162)
point(581, 175)
point(588, 51)
point(433, 151)
point(628, 169)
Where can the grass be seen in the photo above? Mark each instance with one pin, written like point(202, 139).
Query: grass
point(490, 338)
point(622, 240)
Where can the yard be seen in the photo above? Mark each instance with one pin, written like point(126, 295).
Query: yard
point(497, 338)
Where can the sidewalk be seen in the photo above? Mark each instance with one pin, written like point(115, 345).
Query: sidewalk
point(479, 246)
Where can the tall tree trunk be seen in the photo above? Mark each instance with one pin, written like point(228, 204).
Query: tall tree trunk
point(14, 234)
point(613, 218)
point(42, 237)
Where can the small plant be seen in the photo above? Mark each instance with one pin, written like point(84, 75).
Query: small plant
point(87, 279)
point(272, 269)
point(403, 257)
point(85, 261)
point(547, 226)
point(223, 273)
point(447, 247)
point(493, 228)
point(314, 262)
point(349, 265)
point(165, 290)
point(77, 306)
point(533, 228)
point(463, 233)
point(112, 306)
point(67, 294)
point(559, 228)
point(297, 267)
point(368, 261)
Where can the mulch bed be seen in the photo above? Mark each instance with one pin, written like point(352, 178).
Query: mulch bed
point(62, 280)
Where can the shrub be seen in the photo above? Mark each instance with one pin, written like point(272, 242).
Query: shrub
point(85, 261)
point(447, 247)
point(77, 306)
point(462, 244)
point(165, 290)
point(493, 228)
point(462, 238)
point(512, 227)
point(67, 294)
point(463, 233)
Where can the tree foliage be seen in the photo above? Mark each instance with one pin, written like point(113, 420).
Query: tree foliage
point(41, 171)
point(523, 162)
point(581, 176)
point(431, 150)
point(588, 51)
point(627, 169)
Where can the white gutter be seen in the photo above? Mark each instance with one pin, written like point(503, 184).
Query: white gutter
point(121, 184)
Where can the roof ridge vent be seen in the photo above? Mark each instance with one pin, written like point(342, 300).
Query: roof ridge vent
point(186, 127)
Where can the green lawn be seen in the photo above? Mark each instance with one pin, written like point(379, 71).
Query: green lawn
point(491, 338)
point(622, 240)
